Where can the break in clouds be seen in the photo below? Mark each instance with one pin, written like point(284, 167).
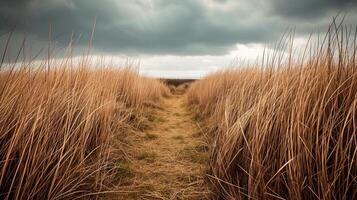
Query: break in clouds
point(167, 27)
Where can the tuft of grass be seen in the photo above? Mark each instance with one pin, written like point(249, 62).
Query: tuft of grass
point(202, 148)
point(57, 125)
point(147, 156)
point(192, 155)
point(188, 179)
point(178, 137)
point(285, 129)
point(123, 170)
point(177, 114)
point(151, 136)
point(160, 120)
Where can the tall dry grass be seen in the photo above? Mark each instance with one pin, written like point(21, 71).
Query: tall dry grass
point(288, 129)
point(57, 127)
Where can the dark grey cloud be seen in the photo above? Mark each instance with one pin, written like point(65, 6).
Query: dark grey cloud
point(185, 27)
point(311, 9)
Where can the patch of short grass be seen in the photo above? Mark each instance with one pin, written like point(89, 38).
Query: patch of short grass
point(202, 148)
point(151, 136)
point(192, 155)
point(151, 117)
point(147, 156)
point(147, 189)
point(177, 114)
point(197, 134)
point(178, 137)
point(188, 178)
point(159, 119)
point(187, 114)
point(123, 170)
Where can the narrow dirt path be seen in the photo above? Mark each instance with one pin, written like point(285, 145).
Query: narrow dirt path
point(170, 157)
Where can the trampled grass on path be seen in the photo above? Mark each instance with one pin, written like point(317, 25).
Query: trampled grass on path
point(169, 158)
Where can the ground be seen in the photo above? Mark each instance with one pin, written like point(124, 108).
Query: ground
point(170, 157)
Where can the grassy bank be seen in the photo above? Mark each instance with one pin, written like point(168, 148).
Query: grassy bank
point(287, 129)
point(57, 127)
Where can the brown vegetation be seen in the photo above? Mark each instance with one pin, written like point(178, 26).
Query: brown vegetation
point(286, 130)
point(57, 128)
point(169, 160)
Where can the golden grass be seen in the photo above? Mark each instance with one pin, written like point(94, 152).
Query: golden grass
point(169, 163)
point(285, 132)
point(57, 127)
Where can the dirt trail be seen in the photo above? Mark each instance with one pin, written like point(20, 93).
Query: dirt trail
point(170, 157)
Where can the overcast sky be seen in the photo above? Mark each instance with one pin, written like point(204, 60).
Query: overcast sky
point(170, 38)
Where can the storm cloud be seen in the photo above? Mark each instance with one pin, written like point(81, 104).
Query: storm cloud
point(168, 27)
point(311, 9)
